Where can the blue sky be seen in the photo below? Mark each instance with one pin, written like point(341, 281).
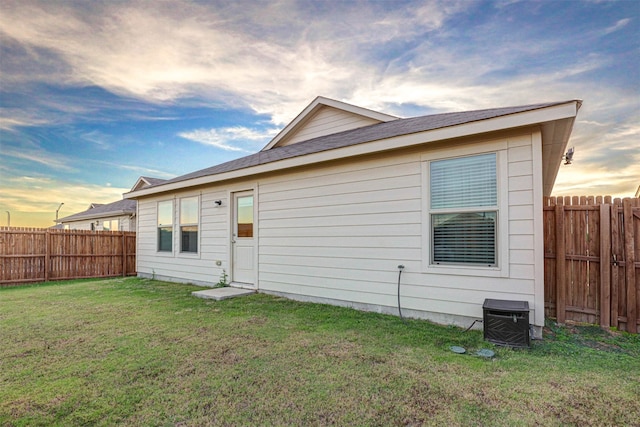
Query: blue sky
point(95, 94)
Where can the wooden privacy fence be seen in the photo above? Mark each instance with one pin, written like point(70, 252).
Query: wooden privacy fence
point(592, 260)
point(36, 255)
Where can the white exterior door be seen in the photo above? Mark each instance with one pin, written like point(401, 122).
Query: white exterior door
point(243, 246)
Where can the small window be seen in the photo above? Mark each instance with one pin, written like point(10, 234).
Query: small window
point(110, 225)
point(165, 226)
point(189, 224)
point(245, 216)
point(464, 211)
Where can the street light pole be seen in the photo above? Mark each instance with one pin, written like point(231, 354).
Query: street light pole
point(58, 210)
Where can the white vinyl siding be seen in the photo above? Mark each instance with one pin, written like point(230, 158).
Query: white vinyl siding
point(327, 121)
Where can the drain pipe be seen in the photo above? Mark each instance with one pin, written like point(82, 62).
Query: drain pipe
point(400, 269)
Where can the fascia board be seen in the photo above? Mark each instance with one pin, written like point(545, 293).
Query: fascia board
point(527, 118)
point(138, 182)
point(94, 216)
point(365, 112)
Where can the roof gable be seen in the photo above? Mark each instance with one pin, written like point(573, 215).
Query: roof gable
point(326, 116)
point(145, 181)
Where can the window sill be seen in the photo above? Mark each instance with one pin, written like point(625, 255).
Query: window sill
point(465, 270)
point(194, 255)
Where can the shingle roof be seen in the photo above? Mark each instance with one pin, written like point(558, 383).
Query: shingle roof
point(358, 136)
point(122, 207)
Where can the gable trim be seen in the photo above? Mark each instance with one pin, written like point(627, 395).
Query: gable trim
point(318, 103)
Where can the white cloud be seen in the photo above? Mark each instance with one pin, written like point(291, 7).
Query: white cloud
point(236, 138)
point(617, 26)
point(138, 169)
point(183, 49)
point(39, 156)
point(13, 118)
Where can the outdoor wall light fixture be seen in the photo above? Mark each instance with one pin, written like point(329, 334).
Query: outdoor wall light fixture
point(218, 202)
point(568, 158)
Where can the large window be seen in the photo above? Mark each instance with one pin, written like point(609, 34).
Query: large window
point(165, 226)
point(463, 209)
point(189, 224)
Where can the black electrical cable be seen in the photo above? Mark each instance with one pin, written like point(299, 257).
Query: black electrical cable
point(400, 268)
point(474, 322)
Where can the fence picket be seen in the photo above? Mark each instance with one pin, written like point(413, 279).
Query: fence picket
point(630, 266)
point(560, 261)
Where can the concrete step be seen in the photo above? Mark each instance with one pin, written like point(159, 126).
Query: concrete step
point(219, 294)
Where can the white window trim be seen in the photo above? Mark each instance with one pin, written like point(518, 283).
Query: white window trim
point(170, 253)
point(501, 269)
point(179, 225)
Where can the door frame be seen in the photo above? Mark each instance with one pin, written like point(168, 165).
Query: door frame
point(231, 196)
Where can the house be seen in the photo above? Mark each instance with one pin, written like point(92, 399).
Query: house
point(342, 196)
point(116, 216)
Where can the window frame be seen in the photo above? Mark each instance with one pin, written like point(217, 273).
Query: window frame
point(160, 226)
point(461, 206)
point(196, 224)
point(111, 226)
point(501, 267)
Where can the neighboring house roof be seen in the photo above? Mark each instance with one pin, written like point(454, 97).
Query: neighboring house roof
point(121, 207)
point(556, 119)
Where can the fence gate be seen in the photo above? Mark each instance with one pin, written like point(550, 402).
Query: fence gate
point(592, 260)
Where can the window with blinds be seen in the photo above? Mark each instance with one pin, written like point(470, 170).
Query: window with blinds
point(464, 210)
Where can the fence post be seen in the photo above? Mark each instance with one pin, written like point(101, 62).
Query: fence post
point(124, 254)
point(630, 266)
point(560, 262)
point(46, 255)
point(605, 265)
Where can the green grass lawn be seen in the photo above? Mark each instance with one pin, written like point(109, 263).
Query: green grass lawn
point(143, 352)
